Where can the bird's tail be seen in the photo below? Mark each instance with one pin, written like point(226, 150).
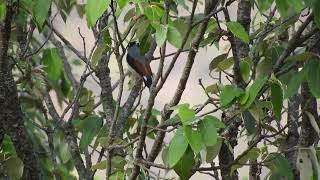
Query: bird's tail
point(147, 80)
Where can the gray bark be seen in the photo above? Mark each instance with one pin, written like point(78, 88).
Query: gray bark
point(293, 134)
point(239, 50)
point(11, 116)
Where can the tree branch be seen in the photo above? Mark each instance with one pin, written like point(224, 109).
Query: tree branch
point(292, 44)
point(209, 7)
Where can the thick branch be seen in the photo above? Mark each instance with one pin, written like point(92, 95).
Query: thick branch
point(70, 138)
point(309, 102)
point(292, 44)
point(126, 108)
point(293, 134)
point(103, 74)
point(10, 112)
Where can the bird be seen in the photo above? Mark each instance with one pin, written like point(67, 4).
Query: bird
point(139, 63)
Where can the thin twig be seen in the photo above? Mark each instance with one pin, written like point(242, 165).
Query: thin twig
point(45, 42)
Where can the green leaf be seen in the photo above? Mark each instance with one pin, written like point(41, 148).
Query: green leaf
point(129, 15)
point(122, 3)
point(253, 154)
point(106, 40)
point(103, 141)
point(229, 93)
point(194, 138)
point(279, 166)
point(294, 83)
point(244, 98)
point(65, 84)
point(212, 89)
point(64, 153)
point(2, 10)
point(264, 67)
point(264, 4)
point(314, 4)
point(238, 30)
point(208, 131)
point(313, 122)
point(80, 10)
point(164, 156)
point(186, 114)
point(215, 61)
point(142, 27)
point(249, 122)
point(245, 69)
point(62, 146)
point(118, 162)
point(177, 147)
point(313, 77)
point(182, 26)
point(185, 165)
point(212, 26)
point(8, 147)
point(103, 46)
point(174, 120)
point(53, 63)
point(100, 165)
point(174, 36)
point(277, 99)
point(253, 91)
point(91, 126)
point(85, 96)
point(161, 34)
point(213, 151)
point(150, 13)
point(300, 57)
point(41, 12)
point(119, 175)
point(297, 4)
point(13, 167)
point(282, 6)
point(275, 53)
point(225, 64)
point(95, 9)
point(217, 122)
point(146, 39)
point(153, 13)
point(97, 54)
point(177, 107)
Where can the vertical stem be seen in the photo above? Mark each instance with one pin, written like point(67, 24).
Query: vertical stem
point(293, 134)
point(239, 50)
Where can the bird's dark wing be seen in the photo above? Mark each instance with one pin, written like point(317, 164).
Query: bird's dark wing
point(142, 69)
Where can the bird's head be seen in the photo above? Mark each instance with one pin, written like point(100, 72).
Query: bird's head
point(133, 43)
point(134, 49)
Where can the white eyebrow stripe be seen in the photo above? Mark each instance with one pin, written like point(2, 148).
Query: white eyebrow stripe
point(145, 78)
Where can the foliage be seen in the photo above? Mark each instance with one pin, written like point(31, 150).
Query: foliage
point(80, 126)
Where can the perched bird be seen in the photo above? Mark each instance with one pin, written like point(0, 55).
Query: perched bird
point(139, 64)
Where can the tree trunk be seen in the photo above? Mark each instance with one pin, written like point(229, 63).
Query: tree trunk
point(309, 104)
point(240, 50)
point(293, 134)
point(11, 116)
